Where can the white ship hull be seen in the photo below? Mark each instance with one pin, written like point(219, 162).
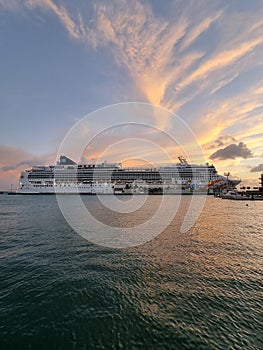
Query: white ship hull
point(67, 189)
point(110, 188)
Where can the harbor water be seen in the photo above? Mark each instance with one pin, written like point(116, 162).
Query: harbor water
point(202, 289)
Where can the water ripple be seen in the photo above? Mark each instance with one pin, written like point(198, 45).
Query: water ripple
point(199, 290)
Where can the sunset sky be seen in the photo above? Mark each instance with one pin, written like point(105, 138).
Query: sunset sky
point(62, 59)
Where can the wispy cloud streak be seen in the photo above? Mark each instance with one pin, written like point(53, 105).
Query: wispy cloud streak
point(142, 43)
point(159, 53)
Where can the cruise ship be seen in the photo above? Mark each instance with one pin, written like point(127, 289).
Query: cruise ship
point(68, 177)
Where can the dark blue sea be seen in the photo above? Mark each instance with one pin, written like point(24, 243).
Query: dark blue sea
point(198, 290)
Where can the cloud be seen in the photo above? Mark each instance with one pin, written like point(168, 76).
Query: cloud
point(238, 50)
point(240, 112)
point(61, 13)
point(13, 157)
point(257, 168)
point(148, 46)
point(11, 154)
point(223, 59)
point(159, 53)
point(197, 30)
point(130, 141)
point(13, 160)
point(232, 151)
point(219, 142)
point(137, 40)
point(142, 43)
point(27, 163)
point(221, 83)
point(10, 5)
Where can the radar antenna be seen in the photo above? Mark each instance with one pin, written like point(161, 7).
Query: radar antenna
point(182, 160)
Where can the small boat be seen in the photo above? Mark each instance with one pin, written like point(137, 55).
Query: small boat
point(240, 196)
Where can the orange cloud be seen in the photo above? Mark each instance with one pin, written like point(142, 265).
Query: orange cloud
point(62, 14)
point(142, 43)
point(240, 110)
point(221, 60)
point(197, 30)
point(13, 160)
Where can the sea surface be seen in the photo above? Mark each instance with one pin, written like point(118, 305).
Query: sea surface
point(202, 289)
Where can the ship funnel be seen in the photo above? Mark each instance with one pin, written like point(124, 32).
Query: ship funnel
point(63, 160)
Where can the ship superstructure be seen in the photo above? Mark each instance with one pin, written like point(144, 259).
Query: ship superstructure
point(108, 178)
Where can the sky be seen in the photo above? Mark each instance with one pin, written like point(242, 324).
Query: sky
point(200, 60)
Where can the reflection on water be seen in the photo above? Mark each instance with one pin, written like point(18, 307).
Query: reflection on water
point(199, 290)
point(141, 220)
